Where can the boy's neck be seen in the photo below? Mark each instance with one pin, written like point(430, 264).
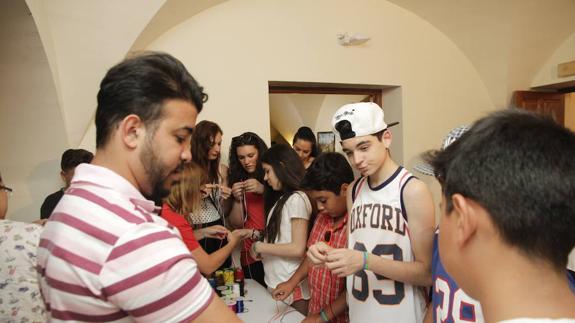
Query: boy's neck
point(528, 289)
point(338, 220)
point(383, 173)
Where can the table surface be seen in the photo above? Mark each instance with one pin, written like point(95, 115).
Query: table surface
point(261, 307)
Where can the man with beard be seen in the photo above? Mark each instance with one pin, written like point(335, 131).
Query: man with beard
point(104, 254)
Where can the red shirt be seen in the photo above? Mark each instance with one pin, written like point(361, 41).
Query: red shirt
point(177, 220)
point(256, 220)
point(324, 286)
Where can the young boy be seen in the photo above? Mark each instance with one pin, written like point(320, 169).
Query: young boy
point(391, 225)
point(449, 303)
point(326, 180)
point(508, 216)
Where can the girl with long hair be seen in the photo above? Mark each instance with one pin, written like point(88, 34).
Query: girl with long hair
point(179, 209)
point(246, 177)
point(206, 149)
point(305, 145)
point(288, 211)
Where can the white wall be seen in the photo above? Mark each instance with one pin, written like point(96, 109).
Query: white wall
point(548, 73)
point(235, 48)
point(32, 130)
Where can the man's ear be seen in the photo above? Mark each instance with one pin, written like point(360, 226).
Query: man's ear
point(132, 131)
point(343, 189)
point(466, 221)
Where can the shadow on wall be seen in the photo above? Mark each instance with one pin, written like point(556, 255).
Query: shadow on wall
point(38, 186)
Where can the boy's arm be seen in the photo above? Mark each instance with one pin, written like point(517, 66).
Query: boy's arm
point(338, 306)
point(284, 289)
point(421, 218)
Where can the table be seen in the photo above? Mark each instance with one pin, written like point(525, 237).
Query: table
point(262, 307)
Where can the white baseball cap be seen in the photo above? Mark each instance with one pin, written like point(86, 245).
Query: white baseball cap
point(363, 118)
point(451, 137)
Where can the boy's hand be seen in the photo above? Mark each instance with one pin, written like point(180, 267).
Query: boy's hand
point(312, 318)
point(282, 291)
point(317, 253)
point(344, 262)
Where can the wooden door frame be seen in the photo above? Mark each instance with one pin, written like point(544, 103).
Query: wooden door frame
point(374, 91)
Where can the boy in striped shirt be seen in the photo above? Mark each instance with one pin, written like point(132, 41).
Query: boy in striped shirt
point(105, 255)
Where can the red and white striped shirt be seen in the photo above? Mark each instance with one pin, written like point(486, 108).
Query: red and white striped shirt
point(324, 286)
point(104, 256)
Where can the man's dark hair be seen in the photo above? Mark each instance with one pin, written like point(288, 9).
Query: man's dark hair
point(520, 167)
point(327, 173)
point(140, 85)
point(74, 157)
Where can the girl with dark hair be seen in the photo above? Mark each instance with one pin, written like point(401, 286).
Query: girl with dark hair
point(206, 148)
point(246, 177)
point(180, 208)
point(288, 211)
point(305, 145)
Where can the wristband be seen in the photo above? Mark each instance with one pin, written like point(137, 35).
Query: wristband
point(365, 267)
point(323, 316)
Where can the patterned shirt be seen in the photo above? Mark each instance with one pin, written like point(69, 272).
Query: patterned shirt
point(20, 299)
point(105, 256)
point(325, 287)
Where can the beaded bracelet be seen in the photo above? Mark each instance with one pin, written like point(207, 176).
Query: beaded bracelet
point(323, 316)
point(365, 267)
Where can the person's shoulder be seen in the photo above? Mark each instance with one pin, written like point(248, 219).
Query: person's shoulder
point(415, 188)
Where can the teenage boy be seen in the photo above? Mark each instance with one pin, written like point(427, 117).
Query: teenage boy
point(508, 215)
point(390, 225)
point(326, 180)
point(70, 159)
point(449, 303)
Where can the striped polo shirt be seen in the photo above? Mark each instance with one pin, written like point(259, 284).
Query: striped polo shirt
point(105, 256)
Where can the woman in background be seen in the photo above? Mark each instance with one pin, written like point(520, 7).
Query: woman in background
point(206, 148)
point(246, 177)
point(178, 209)
point(305, 145)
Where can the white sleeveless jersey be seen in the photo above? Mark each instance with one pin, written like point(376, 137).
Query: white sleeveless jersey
point(378, 225)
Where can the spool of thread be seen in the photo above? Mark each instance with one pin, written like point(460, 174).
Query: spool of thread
point(240, 305)
point(220, 290)
point(239, 275)
point(228, 276)
point(236, 290)
point(232, 305)
point(220, 277)
point(241, 284)
point(212, 282)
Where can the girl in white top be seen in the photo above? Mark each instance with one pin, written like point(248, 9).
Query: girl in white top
point(288, 211)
